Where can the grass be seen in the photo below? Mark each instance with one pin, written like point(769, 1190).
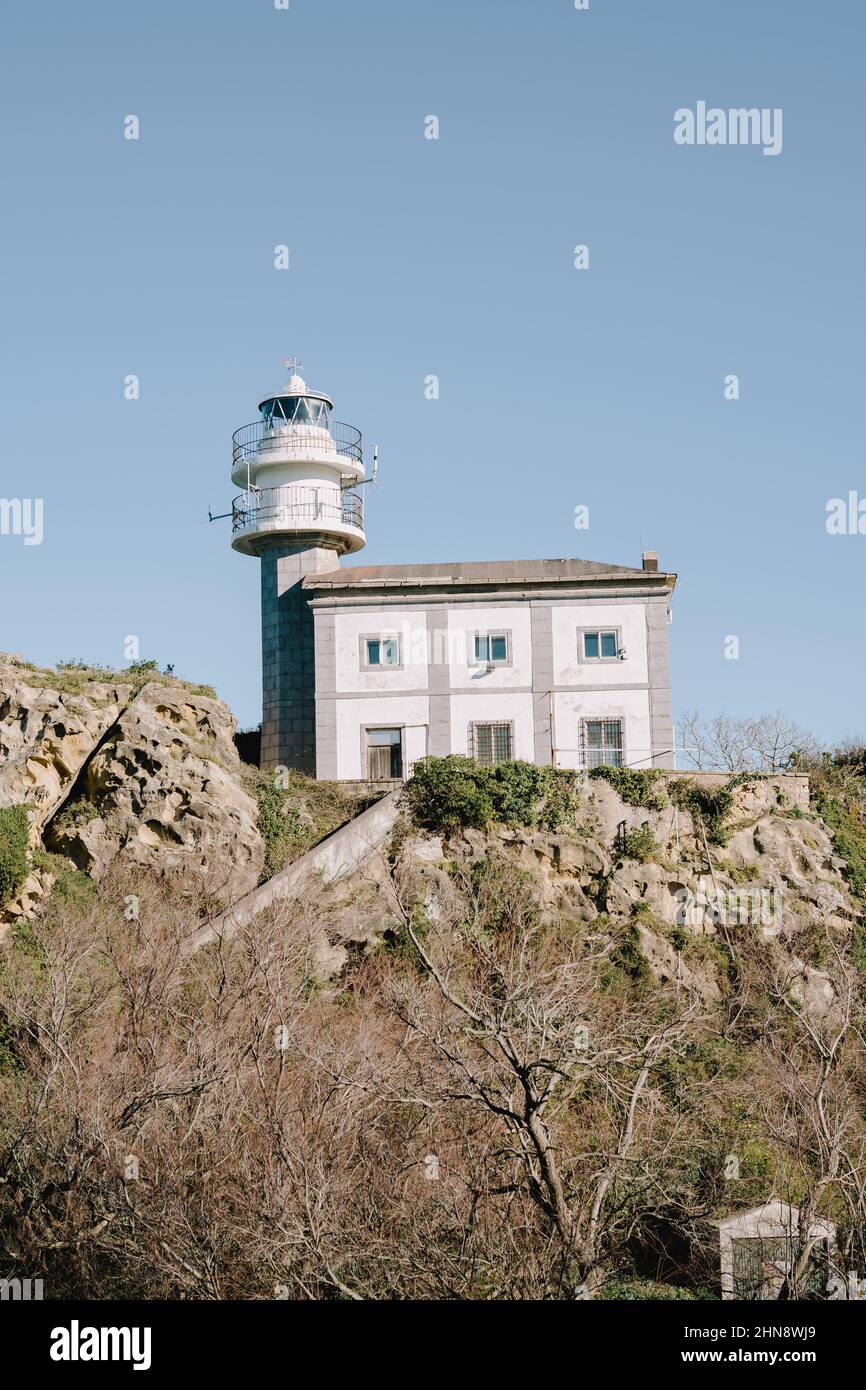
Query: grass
point(71, 885)
point(72, 677)
point(739, 873)
point(295, 812)
point(14, 839)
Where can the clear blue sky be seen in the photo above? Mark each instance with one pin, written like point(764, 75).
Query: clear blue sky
point(411, 257)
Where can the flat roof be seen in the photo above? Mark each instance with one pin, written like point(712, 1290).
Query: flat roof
point(472, 573)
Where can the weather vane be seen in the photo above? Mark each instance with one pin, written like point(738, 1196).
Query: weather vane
point(292, 365)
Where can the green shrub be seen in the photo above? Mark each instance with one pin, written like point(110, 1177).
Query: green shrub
point(278, 825)
point(646, 1290)
point(634, 785)
point(849, 840)
point(712, 805)
point(76, 813)
point(630, 959)
point(640, 844)
point(699, 1062)
point(814, 945)
point(14, 839)
point(516, 790)
point(454, 792)
point(679, 938)
point(449, 793)
point(561, 800)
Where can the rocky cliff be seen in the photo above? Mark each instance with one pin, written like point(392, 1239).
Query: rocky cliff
point(529, 1039)
point(141, 770)
point(144, 772)
point(647, 878)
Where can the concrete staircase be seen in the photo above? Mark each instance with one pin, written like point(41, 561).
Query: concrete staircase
point(334, 857)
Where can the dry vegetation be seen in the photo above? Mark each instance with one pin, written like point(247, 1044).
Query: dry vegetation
point(492, 1106)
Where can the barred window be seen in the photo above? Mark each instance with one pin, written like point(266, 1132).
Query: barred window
point(491, 743)
point(602, 742)
point(762, 1264)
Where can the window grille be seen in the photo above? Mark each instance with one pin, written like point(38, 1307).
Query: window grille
point(602, 743)
point(491, 743)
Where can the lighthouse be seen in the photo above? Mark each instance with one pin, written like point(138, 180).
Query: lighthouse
point(298, 513)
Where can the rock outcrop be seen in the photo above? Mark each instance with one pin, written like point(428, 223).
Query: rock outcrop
point(775, 879)
point(145, 773)
point(138, 773)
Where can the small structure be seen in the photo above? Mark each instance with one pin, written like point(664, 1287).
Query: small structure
point(758, 1247)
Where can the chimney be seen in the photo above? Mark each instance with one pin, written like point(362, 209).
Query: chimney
point(650, 561)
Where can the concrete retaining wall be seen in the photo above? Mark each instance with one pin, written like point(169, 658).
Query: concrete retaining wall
point(333, 858)
point(794, 786)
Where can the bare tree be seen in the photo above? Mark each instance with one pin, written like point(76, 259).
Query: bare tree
point(514, 1028)
point(723, 743)
point(811, 1099)
point(498, 1104)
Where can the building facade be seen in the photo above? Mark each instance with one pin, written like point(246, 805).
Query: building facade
point(561, 662)
point(366, 669)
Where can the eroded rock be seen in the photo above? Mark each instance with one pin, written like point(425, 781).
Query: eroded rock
point(142, 775)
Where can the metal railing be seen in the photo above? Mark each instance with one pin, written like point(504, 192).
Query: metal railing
point(270, 508)
point(251, 441)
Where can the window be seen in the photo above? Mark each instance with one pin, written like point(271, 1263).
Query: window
point(296, 410)
point(491, 743)
point(602, 743)
point(600, 644)
point(492, 648)
point(384, 754)
point(763, 1263)
point(380, 651)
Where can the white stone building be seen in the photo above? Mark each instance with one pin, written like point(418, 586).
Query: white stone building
point(368, 668)
point(758, 1247)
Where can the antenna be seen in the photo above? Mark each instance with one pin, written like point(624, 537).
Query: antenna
point(375, 474)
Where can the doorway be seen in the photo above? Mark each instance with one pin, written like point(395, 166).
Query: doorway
point(384, 754)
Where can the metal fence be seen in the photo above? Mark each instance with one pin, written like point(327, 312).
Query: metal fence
point(295, 506)
point(252, 441)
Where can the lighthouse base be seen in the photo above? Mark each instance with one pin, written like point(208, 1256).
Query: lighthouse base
point(288, 655)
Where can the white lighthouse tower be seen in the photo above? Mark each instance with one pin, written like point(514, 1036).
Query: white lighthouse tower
point(298, 513)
